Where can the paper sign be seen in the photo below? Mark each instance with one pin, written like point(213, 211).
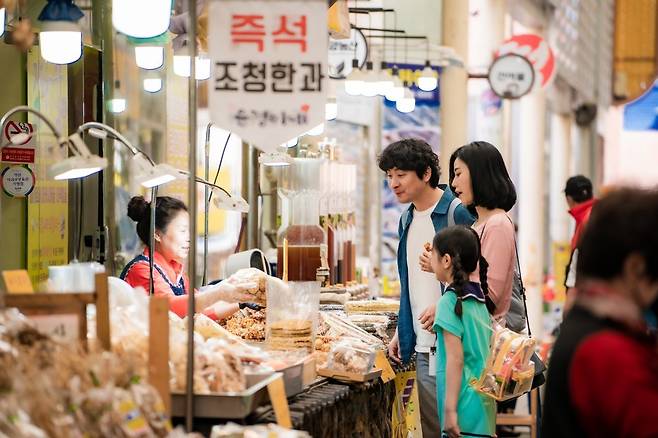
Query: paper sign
point(277, 393)
point(269, 68)
point(17, 181)
point(64, 327)
point(18, 151)
point(17, 282)
point(382, 363)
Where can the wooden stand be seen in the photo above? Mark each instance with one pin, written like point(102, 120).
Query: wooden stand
point(158, 359)
point(529, 420)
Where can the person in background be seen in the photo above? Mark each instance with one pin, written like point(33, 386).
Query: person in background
point(172, 246)
point(580, 199)
point(603, 376)
point(412, 171)
point(463, 326)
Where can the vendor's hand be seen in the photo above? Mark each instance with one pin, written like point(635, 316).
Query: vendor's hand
point(394, 349)
point(427, 318)
point(224, 292)
point(451, 427)
point(425, 261)
point(252, 306)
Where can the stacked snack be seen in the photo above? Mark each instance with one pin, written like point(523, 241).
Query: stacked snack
point(256, 277)
point(247, 324)
point(291, 334)
point(372, 306)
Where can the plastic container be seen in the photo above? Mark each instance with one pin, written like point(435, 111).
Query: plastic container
point(292, 315)
point(351, 356)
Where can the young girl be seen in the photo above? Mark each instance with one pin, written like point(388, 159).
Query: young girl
point(463, 331)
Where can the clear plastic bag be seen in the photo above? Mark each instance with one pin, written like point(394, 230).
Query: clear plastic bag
point(351, 356)
point(509, 370)
point(292, 314)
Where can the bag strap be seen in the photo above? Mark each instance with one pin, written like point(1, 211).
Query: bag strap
point(518, 267)
point(451, 211)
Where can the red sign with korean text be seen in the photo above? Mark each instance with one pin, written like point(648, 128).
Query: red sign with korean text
point(537, 51)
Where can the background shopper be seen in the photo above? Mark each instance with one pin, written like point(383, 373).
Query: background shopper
point(412, 171)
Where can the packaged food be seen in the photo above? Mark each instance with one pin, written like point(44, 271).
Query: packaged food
point(509, 370)
point(292, 315)
point(372, 306)
point(351, 356)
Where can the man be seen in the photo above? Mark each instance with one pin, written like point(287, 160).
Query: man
point(412, 170)
point(580, 200)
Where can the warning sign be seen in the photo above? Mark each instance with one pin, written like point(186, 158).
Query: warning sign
point(18, 142)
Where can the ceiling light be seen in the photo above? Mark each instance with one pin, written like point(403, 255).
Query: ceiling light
point(142, 18)
point(354, 82)
point(182, 67)
point(407, 103)
point(428, 79)
point(275, 159)
point(152, 85)
point(397, 91)
point(117, 105)
point(60, 39)
point(331, 109)
point(149, 57)
point(384, 81)
point(370, 84)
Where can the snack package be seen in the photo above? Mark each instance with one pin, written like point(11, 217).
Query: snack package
point(351, 356)
point(292, 314)
point(256, 281)
point(509, 370)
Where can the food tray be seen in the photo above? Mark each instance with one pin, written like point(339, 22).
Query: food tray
point(293, 379)
point(225, 405)
point(350, 377)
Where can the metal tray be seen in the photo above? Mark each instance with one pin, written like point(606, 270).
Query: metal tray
point(293, 378)
point(225, 405)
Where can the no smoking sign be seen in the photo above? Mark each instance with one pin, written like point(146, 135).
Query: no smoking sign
point(17, 149)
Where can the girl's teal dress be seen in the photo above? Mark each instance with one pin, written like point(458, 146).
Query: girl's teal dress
point(476, 413)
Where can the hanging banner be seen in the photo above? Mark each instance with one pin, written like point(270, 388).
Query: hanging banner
point(269, 68)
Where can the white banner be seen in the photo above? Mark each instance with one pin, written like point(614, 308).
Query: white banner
point(269, 76)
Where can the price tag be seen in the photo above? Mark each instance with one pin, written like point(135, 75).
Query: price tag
point(63, 327)
point(382, 363)
point(17, 282)
point(277, 392)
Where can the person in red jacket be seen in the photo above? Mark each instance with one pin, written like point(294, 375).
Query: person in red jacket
point(603, 373)
point(580, 199)
point(172, 246)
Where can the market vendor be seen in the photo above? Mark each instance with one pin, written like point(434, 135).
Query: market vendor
point(172, 247)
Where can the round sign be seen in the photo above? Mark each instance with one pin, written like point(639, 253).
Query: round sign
point(12, 129)
point(18, 181)
point(342, 52)
point(536, 50)
point(511, 76)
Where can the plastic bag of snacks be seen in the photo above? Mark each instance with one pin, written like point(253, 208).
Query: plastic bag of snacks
point(352, 356)
point(509, 370)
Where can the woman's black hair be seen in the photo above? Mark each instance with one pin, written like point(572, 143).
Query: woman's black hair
point(492, 186)
point(621, 224)
point(463, 245)
point(166, 208)
point(411, 154)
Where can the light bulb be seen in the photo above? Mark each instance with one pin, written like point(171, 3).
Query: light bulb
point(407, 103)
point(142, 18)
point(152, 85)
point(202, 68)
point(354, 81)
point(330, 111)
point(397, 91)
point(3, 13)
point(384, 83)
point(370, 87)
point(149, 57)
point(60, 47)
point(117, 105)
point(428, 79)
point(182, 67)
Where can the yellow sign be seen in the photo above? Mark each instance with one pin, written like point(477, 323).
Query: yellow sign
point(277, 393)
point(406, 410)
point(17, 282)
point(383, 364)
point(561, 257)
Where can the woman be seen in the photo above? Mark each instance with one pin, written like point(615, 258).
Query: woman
point(172, 246)
point(479, 178)
point(603, 375)
point(463, 328)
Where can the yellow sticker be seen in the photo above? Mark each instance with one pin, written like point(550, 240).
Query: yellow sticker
point(134, 422)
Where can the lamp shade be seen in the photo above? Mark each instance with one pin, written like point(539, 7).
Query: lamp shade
point(76, 167)
point(141, 18)
point(152, 85)
point(182, 67)
point(428, 79)
point(397, 91)
point(149, 57)
point(407, 103)
point(60, 39)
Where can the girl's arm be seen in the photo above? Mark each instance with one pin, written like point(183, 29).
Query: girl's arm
point(454, 370)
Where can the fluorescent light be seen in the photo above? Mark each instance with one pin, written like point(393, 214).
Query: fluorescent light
point(407, 103)
point(152, 85)
point(230, 203)
point(149, 57)
point(275, 159)
point(76, 167)
point(141, 18)
point(331, 110)
point(116, 106)
point(3, 14)
point(60, 47)
point(318, 130)
point(428, 79)
point(182, 67)
point(158, 175)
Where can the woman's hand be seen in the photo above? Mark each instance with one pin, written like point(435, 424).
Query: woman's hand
point(451, 424)
point(224, 291)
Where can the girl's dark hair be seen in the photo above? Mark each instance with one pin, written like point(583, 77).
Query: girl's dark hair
point(166, 208)
point(492, 186)
point(622, 223)
point(411, 154)
point(463, 246)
